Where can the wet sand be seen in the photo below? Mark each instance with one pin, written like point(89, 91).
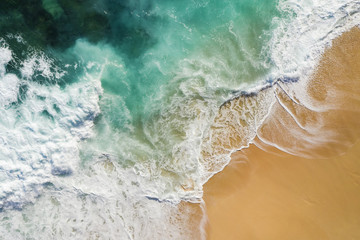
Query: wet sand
point(310, 189)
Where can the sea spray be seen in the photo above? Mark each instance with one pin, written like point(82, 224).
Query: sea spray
point(108, 108)
point(109, 111)
point(240, 120)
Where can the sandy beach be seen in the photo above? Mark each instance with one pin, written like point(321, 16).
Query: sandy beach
point(300, 179)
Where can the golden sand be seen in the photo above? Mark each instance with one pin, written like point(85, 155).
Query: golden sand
point(313, 190)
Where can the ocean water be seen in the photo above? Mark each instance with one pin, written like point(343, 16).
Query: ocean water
point(110, 113)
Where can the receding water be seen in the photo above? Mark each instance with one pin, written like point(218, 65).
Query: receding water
point(106, 105)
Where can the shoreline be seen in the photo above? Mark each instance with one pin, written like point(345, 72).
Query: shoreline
point(290, 183)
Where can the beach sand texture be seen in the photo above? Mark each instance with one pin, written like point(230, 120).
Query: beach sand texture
point(300, 179)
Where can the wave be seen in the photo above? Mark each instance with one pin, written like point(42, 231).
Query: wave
point(87, 137)
point(296, 47)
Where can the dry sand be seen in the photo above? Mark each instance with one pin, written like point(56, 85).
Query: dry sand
point(310, 189)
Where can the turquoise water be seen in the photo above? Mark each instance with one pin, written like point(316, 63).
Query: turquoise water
point(152, 59)
point(106, 105)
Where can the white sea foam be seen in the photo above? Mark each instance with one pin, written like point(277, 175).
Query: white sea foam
point(9, 83)
point(104, 202)
point(40, 139)
point(9, 87)
point(40, 142)
point(296, 46)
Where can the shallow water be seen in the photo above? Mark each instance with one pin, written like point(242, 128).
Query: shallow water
point(109, 109)
point(299, 178)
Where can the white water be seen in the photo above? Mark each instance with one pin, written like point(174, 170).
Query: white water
point(40, 163)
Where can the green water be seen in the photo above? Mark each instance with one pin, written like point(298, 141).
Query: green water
point(165, 67)
point(107, 107)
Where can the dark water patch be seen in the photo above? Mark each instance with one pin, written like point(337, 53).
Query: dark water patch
point(247, 94)
point(56, 108)
point(61, 171)
point(49, 185)
point(153, 199)
point(23, 88)
point(11, 205)
point(59, 23)
point(42, 98)
point(47, 115)
point(286, 79)
point(26, 17)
